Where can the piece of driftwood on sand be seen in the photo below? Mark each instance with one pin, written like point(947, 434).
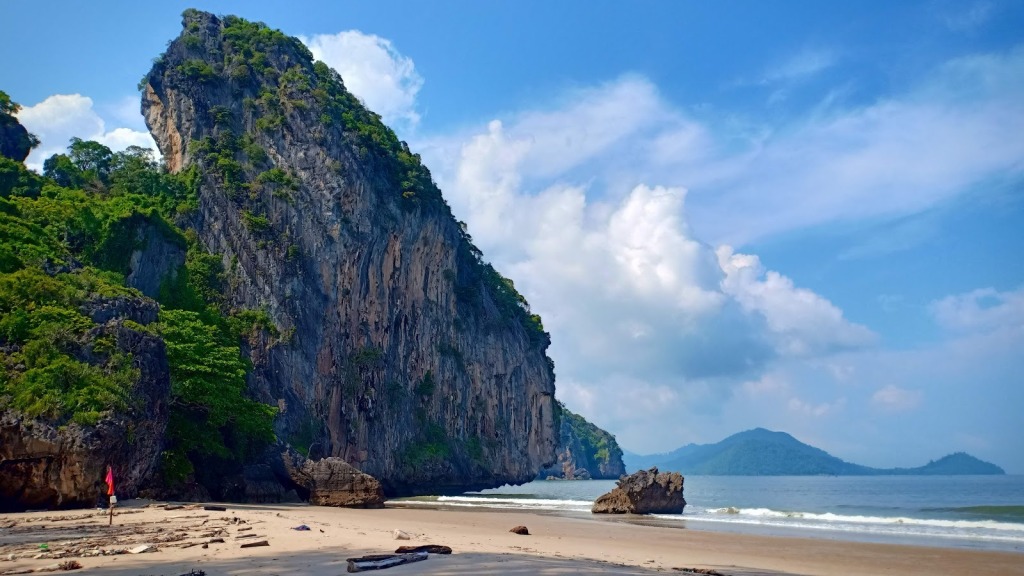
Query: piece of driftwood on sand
point(429, 548)
point(382, 561)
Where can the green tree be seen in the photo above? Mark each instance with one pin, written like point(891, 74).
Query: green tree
point(8, 107)
point(210, 415)
point(62, 170)
point(92, 158)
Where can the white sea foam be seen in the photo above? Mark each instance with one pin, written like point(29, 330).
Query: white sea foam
point(734, 514)
point(505, 503)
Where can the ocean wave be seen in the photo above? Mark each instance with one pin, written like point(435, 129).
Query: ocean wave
point(829, 517)
point(1003, 512)
point(901, 526)
point(504, 503)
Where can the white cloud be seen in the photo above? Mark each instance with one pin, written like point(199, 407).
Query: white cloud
point(981, 310)
point(641, 311)
point(805, 63)
point(373, 70)
point(605, 206)
point(897, 156)
point(815, 410)
point(806, 323)
point(894, 399)
point(60, 117)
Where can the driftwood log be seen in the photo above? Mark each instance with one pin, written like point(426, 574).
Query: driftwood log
point(429, 548)
point(382, 561)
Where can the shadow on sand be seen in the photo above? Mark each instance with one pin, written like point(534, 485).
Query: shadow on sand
point(334, 563)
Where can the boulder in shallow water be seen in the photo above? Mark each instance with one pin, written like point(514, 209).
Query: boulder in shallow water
point(644, 492)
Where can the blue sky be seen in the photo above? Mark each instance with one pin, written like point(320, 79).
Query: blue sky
point(805, 216)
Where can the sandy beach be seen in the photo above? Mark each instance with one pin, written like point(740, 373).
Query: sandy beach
point(175, 536)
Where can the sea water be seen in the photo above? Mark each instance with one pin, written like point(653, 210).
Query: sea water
point(947, 511)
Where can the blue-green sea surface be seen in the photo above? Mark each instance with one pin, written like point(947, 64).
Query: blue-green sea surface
point(985, 512)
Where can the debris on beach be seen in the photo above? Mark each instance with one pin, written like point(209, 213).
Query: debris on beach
point(382, 561)
point(142, 549)
point(702, 571)
point(255, 544)
point(429, 548)
point(401, 535)
point(65, 537)
point(521, 530)
point(301, 528)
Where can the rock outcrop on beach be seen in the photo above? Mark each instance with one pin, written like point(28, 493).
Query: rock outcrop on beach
point(585, 452)
point(332, 482)
point(644, 492)
point(402, 352)
point(53, 463)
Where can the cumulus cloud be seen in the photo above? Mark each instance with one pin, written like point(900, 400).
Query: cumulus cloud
point(981, 310)
point(805, 322)
point(617, 213)
point(613, 211)
point(60, 117)
point(894, 399)
point(373, 69)
point(642, 311)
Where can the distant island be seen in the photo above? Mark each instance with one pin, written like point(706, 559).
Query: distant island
point(761, 452)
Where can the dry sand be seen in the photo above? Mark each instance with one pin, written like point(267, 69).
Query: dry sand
point(481, 542)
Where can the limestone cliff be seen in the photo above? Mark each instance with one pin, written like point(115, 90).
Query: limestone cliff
point(584, 451)
point(402, 351)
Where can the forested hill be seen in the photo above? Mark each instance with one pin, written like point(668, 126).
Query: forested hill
point(585, 452)
point(761, 452)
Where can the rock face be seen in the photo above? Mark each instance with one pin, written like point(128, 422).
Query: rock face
point(157, 258)
point(45, 464)
point(644, 492)
point(15, 140)
point(405, 355)
point(584, 452)
point(333, 482)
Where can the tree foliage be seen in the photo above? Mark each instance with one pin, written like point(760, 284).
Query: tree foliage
point(210, 414)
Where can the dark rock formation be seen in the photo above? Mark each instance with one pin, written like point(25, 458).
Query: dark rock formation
point(584, 452)
point(405, 355)
point(47, 464)
point(333, 482)
point(644, 492)
point(15, 140)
